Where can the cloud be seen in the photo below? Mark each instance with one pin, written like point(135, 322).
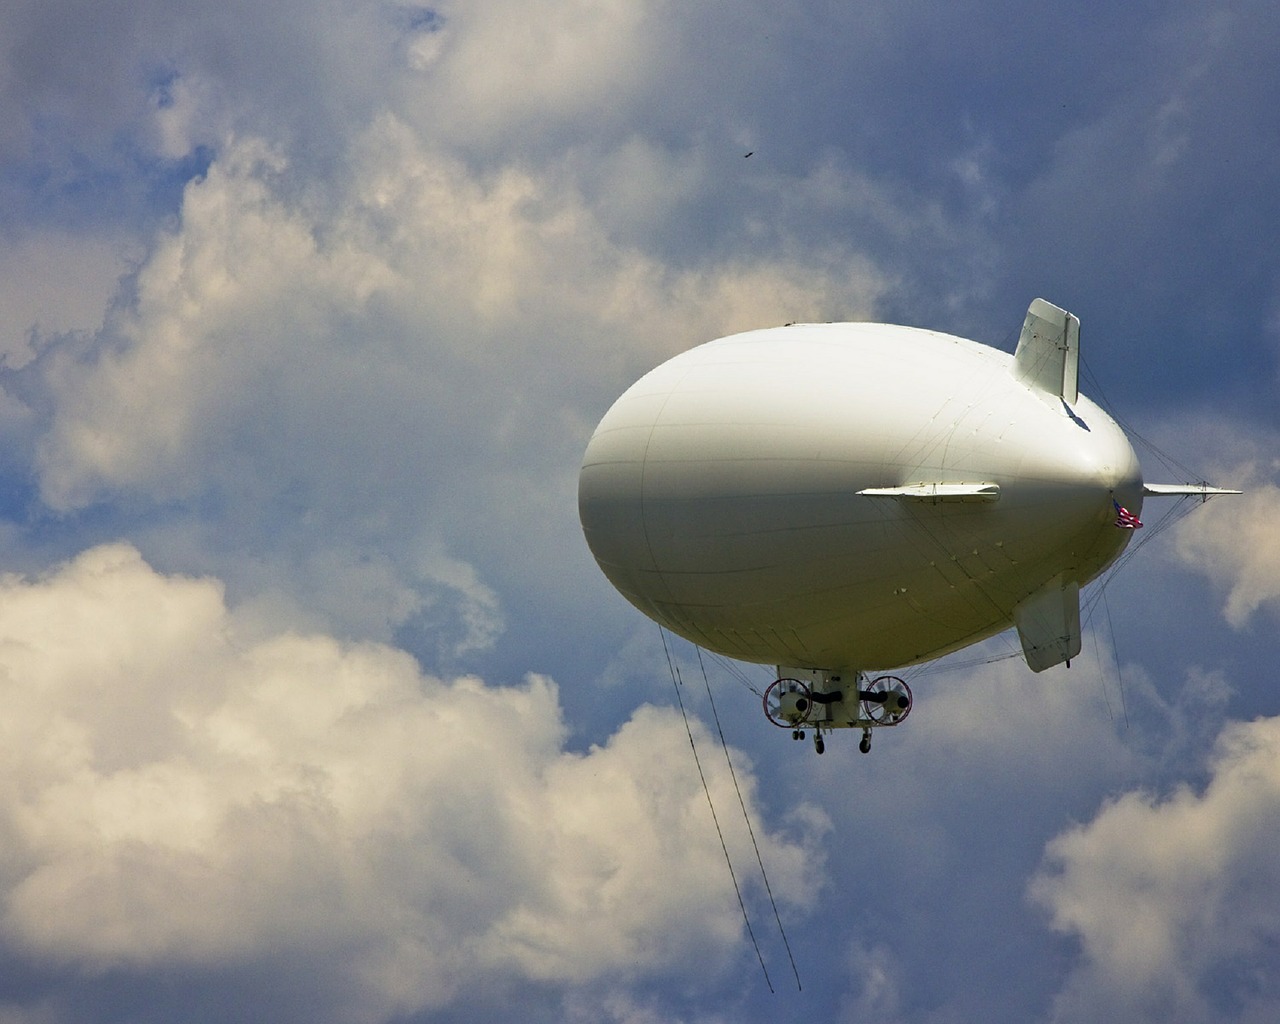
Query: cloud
point(940, 828)
point(203, 799)
point(379, 365)
point(1174, 899)
point(54, 282)
point(1238, 548)
point(880, 999)
point(413, 289)
point(504, 66)
point(387, 264)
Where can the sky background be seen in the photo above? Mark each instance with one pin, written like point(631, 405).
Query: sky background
point(316, 707)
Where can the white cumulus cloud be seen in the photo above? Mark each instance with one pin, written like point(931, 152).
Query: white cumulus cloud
point(1238, 547)
point(174, 793)
point(1176, 899)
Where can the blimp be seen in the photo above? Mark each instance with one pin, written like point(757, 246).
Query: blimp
point(843, 500)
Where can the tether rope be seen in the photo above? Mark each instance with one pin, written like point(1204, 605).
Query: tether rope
point(747, 818)
point(675, 681)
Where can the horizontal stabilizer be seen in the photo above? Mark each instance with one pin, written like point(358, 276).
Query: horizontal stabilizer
point(1204, 490)
point(1049, 624)
point(1048, 353)
point(937, 492)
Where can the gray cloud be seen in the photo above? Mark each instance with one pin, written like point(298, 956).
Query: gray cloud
point(205, 800)
point(1173, 898)
point(418, 341)
point(1237, 548)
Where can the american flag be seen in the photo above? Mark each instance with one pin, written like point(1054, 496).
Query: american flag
point(1125, 519)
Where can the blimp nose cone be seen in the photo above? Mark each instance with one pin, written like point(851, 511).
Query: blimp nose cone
point(1110, 461)
point(1092, 457)
point(1073, 486)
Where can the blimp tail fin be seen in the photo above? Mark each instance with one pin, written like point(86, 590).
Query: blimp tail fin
point(1048, 624)
point(1048, 353)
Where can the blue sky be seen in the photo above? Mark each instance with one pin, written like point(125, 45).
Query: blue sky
point(317, 708)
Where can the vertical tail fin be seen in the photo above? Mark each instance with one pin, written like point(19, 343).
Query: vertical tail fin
point(1048, 354)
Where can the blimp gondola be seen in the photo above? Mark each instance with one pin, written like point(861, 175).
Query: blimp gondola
point(846, 499)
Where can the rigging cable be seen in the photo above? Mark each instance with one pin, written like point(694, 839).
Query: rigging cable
point(1168, 460)
point(675, 681)
point(1097, 657)
point(1180, 510)
point(1115, 651)
point(747, 818)
point(735, 670)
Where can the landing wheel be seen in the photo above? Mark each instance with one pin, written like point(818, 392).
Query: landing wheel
point(818, 745)
point(788, 703)
point(865, 745)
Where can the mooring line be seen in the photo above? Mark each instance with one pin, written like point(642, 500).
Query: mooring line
point(675, 681)
point(747, 818)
